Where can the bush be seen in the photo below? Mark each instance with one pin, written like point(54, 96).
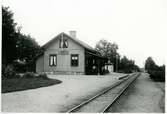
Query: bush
point(157, 75)
point(125, 70)
point(43, 75)
point(20, 67)
point(29, 75)
point(8, 72)
point(17, 76)
point(105, 71)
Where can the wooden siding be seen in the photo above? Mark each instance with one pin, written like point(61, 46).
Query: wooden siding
point(40, 64)
point(63, 58)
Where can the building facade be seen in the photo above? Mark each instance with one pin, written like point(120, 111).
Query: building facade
point(65, 54)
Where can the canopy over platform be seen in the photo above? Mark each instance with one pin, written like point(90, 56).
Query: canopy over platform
point(94, 63)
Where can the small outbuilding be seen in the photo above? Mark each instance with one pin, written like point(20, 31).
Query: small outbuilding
point(65, 54)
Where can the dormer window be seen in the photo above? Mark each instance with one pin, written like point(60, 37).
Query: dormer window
point(63, 43)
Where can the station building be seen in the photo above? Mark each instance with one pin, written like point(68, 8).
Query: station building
point(65, 54)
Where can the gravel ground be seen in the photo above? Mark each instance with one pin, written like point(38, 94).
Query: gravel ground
point(98, 104)
point(57, 98)
point(143, 96)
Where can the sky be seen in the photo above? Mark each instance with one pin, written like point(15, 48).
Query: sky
point(139, 27)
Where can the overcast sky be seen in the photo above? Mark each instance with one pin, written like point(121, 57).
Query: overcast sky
point(139, 27)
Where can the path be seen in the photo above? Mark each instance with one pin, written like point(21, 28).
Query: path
point(143, 96)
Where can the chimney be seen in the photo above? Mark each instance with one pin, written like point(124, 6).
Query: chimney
point(73, 34)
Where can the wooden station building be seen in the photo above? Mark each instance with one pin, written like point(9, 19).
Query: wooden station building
point(65, 54)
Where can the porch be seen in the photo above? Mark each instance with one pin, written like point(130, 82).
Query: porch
point(94, 63)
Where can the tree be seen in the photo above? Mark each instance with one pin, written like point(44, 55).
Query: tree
point(8, 36)
point(17, 46)
point(124, 64)
point(156, 72)
point(150, 64)
point(27, 50)
point(108, 50)
point(127, 66)
point(27, 47)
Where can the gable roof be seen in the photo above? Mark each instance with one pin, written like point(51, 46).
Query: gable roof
point(86, 46)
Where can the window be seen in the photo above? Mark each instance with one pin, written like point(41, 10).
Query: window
point(63, 43)
point(52, 60)
point(74, 60)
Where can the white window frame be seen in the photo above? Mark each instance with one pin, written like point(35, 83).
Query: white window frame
point(53, 60)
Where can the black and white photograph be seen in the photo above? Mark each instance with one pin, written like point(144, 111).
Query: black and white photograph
point(83, 56)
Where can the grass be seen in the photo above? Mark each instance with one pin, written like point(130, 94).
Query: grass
point(11, 85)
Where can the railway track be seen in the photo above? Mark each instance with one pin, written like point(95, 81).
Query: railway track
point(102, 102)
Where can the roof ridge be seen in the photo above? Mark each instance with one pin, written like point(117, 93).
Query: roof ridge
point(80, 41)
point(75, 39)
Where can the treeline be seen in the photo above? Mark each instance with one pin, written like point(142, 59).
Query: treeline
point(18, 50)
point(156, 72)
point(121, 64)
point(126, 65)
